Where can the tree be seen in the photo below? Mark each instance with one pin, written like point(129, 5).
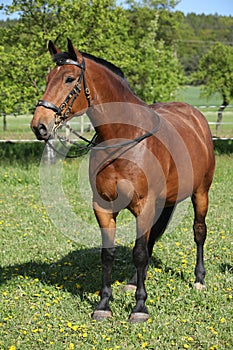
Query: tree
point(97, 27)
point(157, 72)
point(127, 37)
point(216, 71)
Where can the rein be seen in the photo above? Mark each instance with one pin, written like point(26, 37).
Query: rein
point(91, 144)
point(63, 111)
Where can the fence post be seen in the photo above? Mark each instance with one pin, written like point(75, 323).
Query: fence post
point(81, 124)
point(50, 154)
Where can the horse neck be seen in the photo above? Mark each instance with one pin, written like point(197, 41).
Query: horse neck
point(113, 103)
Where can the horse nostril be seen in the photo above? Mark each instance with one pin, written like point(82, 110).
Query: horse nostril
point(42, 130)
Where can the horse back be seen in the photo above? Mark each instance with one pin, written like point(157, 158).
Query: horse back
point(185, 141)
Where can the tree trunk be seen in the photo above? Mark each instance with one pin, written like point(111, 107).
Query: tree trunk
point(220, 111)
point(4, 122)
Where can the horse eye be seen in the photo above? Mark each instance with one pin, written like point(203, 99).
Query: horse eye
point(69, 80)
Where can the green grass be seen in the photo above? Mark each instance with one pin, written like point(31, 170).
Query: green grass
point(49, 283)
point(209, 107)
point(192, 94)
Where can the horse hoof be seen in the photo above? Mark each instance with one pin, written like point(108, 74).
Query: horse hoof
point(130, 288)
point(100, 315)
point(138, 317)
point(199, 286)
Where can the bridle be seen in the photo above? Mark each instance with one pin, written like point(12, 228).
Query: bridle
point(63, 111)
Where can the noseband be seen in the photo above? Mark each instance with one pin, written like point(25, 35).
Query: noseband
point(63, 111)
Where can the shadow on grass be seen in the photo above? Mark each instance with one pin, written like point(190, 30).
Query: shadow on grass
point(80, 268)
point(26, 152)
point(226, 268)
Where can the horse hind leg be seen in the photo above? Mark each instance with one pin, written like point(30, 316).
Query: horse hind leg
point(200, 205)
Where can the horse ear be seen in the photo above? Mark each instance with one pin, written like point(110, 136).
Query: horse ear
point(52, 48)
point(71, 50)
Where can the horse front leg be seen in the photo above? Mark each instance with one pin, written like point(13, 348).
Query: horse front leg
point(107, 223)
point(141, 261)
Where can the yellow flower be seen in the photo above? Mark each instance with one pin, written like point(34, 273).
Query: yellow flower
point(12, 347)
point(222, 320)
point(190, 338)
point(144, 345)
point(117, 283)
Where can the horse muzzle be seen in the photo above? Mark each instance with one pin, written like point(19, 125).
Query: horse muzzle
point(42, 131)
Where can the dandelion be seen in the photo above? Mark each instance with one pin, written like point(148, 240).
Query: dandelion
point(186, 346)
point(36, 330)
point(222, 320)
point(157, 270)
point(213, 330)
point(144, 345)
point(12, 347)
point(117, 283)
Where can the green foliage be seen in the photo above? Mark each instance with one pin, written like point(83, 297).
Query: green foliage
point(21, 152)
point(197, 33)
point(127, 37)
point(223, 147)
point(216, 70)
point(147, 39)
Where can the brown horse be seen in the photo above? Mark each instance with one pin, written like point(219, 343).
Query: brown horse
point(145, 158)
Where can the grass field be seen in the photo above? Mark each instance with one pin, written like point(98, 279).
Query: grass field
point(209, 107)
point(18, 127)
point(49, 281)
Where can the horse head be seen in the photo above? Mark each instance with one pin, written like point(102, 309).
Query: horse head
point(66, 92)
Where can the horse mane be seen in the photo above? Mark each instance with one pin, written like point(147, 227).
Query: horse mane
point(101, 61)
point(105, 63)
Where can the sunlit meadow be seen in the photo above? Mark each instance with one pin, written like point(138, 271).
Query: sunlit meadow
point(49, 284)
